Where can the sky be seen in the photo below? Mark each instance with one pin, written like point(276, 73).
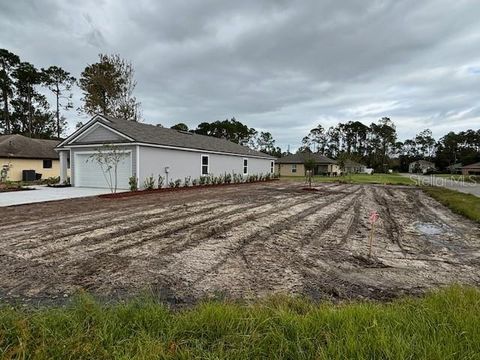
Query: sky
point(278, 66)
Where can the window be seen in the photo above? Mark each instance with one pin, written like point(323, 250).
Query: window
point(47, 164)
point(272, 165)
point(294, 168)
point(245, 166)
point(205, 165)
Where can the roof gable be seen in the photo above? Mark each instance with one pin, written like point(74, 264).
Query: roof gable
point(98, 133)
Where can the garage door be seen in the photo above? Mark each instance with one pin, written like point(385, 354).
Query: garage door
point(88, 173)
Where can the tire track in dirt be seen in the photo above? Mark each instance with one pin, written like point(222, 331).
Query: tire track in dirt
point(113, 234)
point(281, 223)
point(393, 228)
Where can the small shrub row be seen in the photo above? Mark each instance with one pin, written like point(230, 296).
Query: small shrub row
point(210, 179)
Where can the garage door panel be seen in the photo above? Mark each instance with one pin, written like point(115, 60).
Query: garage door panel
point(89, 173)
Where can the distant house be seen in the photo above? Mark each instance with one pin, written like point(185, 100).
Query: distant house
point(472, 169)
point(353, 167)
point(23, 153)
point(421, 166)
point(293, 164)
point(455, 168)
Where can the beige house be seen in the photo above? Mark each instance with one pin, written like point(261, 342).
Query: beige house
point(293, 165)
point(472, 169)
point(20, 153)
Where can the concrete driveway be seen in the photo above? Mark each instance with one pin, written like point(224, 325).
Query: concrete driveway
point(45, 193)
point(462, 186)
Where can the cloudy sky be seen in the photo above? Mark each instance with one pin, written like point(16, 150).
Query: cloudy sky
point(280, 66)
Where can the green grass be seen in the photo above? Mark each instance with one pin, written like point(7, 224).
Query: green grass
point(464, 204)
point(388, 179)
point(441, 325)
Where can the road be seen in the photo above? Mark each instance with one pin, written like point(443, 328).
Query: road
point(465, 187)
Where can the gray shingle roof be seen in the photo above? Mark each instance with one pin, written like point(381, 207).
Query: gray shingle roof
point(156, 135)
point(299, 158)
point(19, 146)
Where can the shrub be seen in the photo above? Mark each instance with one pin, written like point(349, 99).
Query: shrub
point(187, 181)
point(195, 182)
point(161, 179)
point(203, 180)
point(133, 183)
point(149, 183)
point(171, 184)
point(228, 178)
point(177, 183)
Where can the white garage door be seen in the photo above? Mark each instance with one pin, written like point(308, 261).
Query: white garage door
point(88, 173)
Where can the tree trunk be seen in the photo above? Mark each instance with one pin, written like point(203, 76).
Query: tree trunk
point(6, 115)
point(58, 112)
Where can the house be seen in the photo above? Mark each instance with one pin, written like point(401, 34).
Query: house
point(421, 166)
point(353, 167)
point(472, 169)
point(293, 164)
point(151, 150)
point(455, 168)
point(19, 153)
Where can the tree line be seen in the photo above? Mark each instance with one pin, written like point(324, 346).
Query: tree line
point(107, 88)
point(378, 147)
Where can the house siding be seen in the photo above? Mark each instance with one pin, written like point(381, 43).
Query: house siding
point(93, 149)
point(98, 134)
point(18, 165)
point(184, 163)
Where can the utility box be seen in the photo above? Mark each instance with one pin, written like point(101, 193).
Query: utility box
point(28, 175)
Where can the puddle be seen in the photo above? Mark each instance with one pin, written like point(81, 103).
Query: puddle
point(429, 228)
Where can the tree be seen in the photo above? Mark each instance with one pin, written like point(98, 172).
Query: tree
point(8, 63)
point(180, 127)
point(108, 157)
point(108, 87)
point(231, 130)
point(30, 107)
point(59, 82)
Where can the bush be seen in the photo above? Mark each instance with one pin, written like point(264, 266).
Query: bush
point(161, 179)
point(228, 178)
point(133, 183)
point(195, 182)
point(177, 183)
point(187, 181)
point(149, 183)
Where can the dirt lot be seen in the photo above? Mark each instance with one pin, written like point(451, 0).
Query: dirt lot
point(244, 241)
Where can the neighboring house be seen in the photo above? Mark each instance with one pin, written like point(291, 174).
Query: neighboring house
point(472, 169)
point(354, 167)
point(421, 166)
point(152, 151)
point(455, 168)
point(24, 153)
point(293, 164)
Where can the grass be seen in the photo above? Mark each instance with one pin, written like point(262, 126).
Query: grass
point(387, 179)
point(442, 325)
point(464, 204)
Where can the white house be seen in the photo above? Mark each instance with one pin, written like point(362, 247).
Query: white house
point(151, 150)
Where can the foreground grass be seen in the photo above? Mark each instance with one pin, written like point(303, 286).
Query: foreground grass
point(387, 179)
point(464, 204)
point(441, 325)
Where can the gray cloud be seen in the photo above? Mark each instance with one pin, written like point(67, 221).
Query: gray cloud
point(275, 65)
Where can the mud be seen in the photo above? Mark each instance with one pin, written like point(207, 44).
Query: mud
point(237, 242)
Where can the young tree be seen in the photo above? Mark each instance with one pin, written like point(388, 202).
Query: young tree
point(108, 87)
point(108, 157)
point(59, 82)
point(8, 63)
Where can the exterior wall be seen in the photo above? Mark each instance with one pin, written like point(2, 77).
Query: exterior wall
point(93, 149)
point(286, 170)
point(15, 173)
point(182, 164)
point(471, 171)
point(98, 134)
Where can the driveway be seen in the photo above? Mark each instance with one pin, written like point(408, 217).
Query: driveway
point(462, 186)
point(45, 193)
